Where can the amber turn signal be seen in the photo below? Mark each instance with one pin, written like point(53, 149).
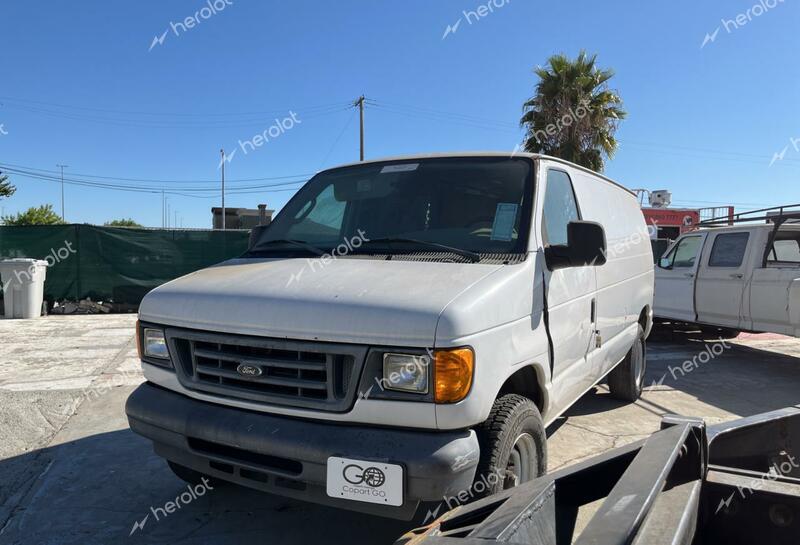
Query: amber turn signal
point(138, 339)
point(453, 374)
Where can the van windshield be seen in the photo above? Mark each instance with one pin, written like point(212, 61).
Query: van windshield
point(471, 205)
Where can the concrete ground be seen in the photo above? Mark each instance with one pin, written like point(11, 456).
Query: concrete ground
point(71, 472)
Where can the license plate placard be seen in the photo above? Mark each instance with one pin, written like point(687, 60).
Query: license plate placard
point(362, 480)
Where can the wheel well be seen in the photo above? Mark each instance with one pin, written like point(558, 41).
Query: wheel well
point(644, 319)
point(525, 382)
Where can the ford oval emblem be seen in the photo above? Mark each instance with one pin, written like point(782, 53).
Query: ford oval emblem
point(247, 370)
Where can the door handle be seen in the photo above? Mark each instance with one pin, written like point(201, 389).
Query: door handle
point(689, 275)
point(739, 275)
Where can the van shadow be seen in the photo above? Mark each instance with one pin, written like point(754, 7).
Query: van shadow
point(95, 490)
point(736, 379)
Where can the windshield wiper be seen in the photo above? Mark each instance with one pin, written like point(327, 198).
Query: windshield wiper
point(474, 257)
point(297, 243)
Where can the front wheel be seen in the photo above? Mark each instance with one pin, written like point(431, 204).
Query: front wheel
point(626, 381)
point(513, 446)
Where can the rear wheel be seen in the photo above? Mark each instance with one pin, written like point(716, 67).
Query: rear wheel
point(626, 381)
point(513, 446)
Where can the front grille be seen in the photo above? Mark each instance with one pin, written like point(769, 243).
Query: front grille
point(271, 371)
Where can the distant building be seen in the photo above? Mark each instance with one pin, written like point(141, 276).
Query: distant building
point(241, 218)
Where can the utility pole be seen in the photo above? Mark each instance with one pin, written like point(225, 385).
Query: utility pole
point(222, 152)
point(62, 189)
point(163, 208)
point(168, 216)
point(175, 223)
point(360, 104)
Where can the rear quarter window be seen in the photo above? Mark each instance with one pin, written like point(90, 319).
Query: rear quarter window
point(729, 250)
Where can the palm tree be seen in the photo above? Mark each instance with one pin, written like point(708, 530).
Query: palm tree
point(573, 115)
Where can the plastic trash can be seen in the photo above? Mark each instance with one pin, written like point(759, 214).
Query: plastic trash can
point(23, 287)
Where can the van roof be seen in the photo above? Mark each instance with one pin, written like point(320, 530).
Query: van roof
point(486, 154)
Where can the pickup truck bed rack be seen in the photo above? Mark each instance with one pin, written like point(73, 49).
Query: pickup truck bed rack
point(732, 483)
point(777, 215)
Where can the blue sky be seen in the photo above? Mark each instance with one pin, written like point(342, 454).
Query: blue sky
point(81, 86)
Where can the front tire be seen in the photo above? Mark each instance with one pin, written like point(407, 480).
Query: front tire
point(513, 446)
point(626, 381)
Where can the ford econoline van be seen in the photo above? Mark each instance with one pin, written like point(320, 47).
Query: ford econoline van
point(402, 332)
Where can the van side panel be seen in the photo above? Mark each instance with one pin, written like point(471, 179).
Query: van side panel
point(625, 283)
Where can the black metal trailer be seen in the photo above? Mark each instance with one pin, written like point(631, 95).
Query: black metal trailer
point(732, 483)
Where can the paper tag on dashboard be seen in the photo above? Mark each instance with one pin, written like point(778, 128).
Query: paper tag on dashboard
point(505, 217)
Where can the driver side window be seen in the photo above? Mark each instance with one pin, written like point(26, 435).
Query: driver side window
point(685, 253)
point(560, 207)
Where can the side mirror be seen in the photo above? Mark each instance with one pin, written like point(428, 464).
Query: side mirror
point(255, 235)
point(665, 263)
point(586, 246)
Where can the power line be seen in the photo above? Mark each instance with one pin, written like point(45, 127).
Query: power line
point(168, 181)
point(161, 114)
point(338, 138)
point(43, 174)
point(62, 167)
point(430, 111)
point(150, 125)
point(265, 188)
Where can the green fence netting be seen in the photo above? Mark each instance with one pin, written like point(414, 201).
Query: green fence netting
point(116, 264)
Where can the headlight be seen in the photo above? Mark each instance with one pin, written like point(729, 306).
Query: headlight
point(406, 373)
point(155, 345)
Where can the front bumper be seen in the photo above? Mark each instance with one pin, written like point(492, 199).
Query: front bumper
point(288, 457)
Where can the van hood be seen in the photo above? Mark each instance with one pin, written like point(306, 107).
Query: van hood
point(352, 300)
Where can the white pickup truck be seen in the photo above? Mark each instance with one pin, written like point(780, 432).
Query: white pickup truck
point(734, 278)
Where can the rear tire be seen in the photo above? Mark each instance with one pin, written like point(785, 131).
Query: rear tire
point(626, 381)
point(513, 446)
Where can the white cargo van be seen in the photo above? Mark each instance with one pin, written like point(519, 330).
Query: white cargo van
point(403, 329)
